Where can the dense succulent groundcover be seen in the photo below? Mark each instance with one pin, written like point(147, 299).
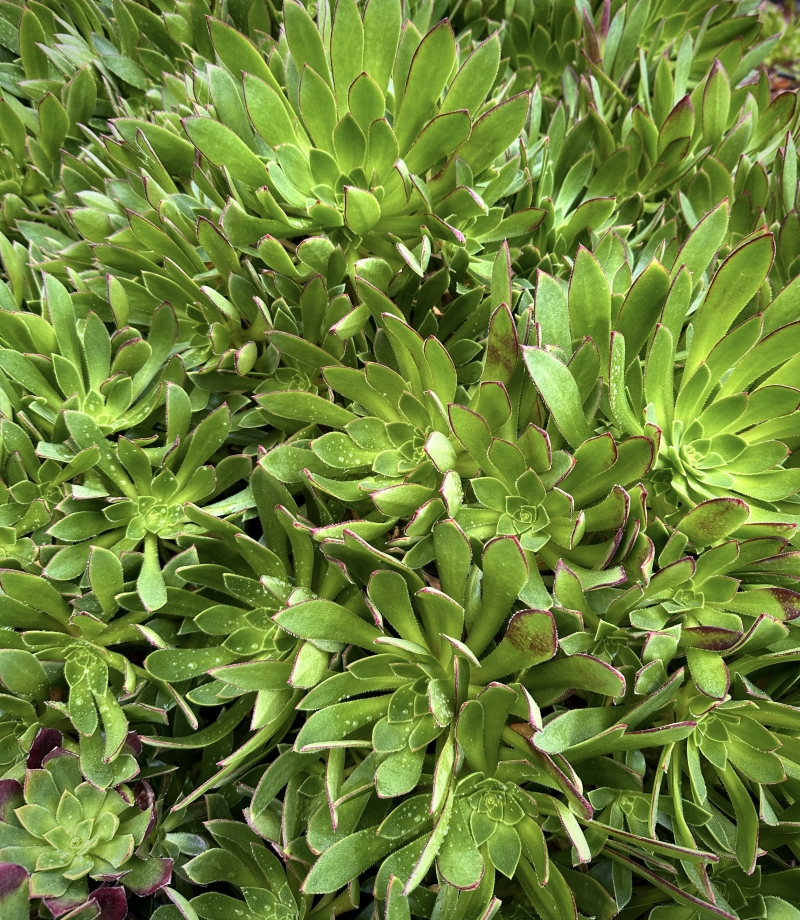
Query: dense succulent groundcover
point(399, 461)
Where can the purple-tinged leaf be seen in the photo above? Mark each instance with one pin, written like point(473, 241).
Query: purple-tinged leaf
point(11, 797)
point(112, 900)
point(14, 890)
point(145, 800)
point(64, 903)
point(781, 603)
point(713, 638)
point(148, 875)
point(46, 740)
point(133, 744)
point(714, 520)
point(531, 638)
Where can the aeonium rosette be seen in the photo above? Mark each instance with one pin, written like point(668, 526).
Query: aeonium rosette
point(63, 831)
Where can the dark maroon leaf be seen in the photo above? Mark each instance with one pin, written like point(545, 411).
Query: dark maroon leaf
point(47, 740)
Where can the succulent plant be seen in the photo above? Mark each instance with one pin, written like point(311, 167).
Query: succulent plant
point(242, 859)
point(331, 154)
point(714, 439)
point(67, 365)
point(134, 506)
point(62, 830)
point(682, 111)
